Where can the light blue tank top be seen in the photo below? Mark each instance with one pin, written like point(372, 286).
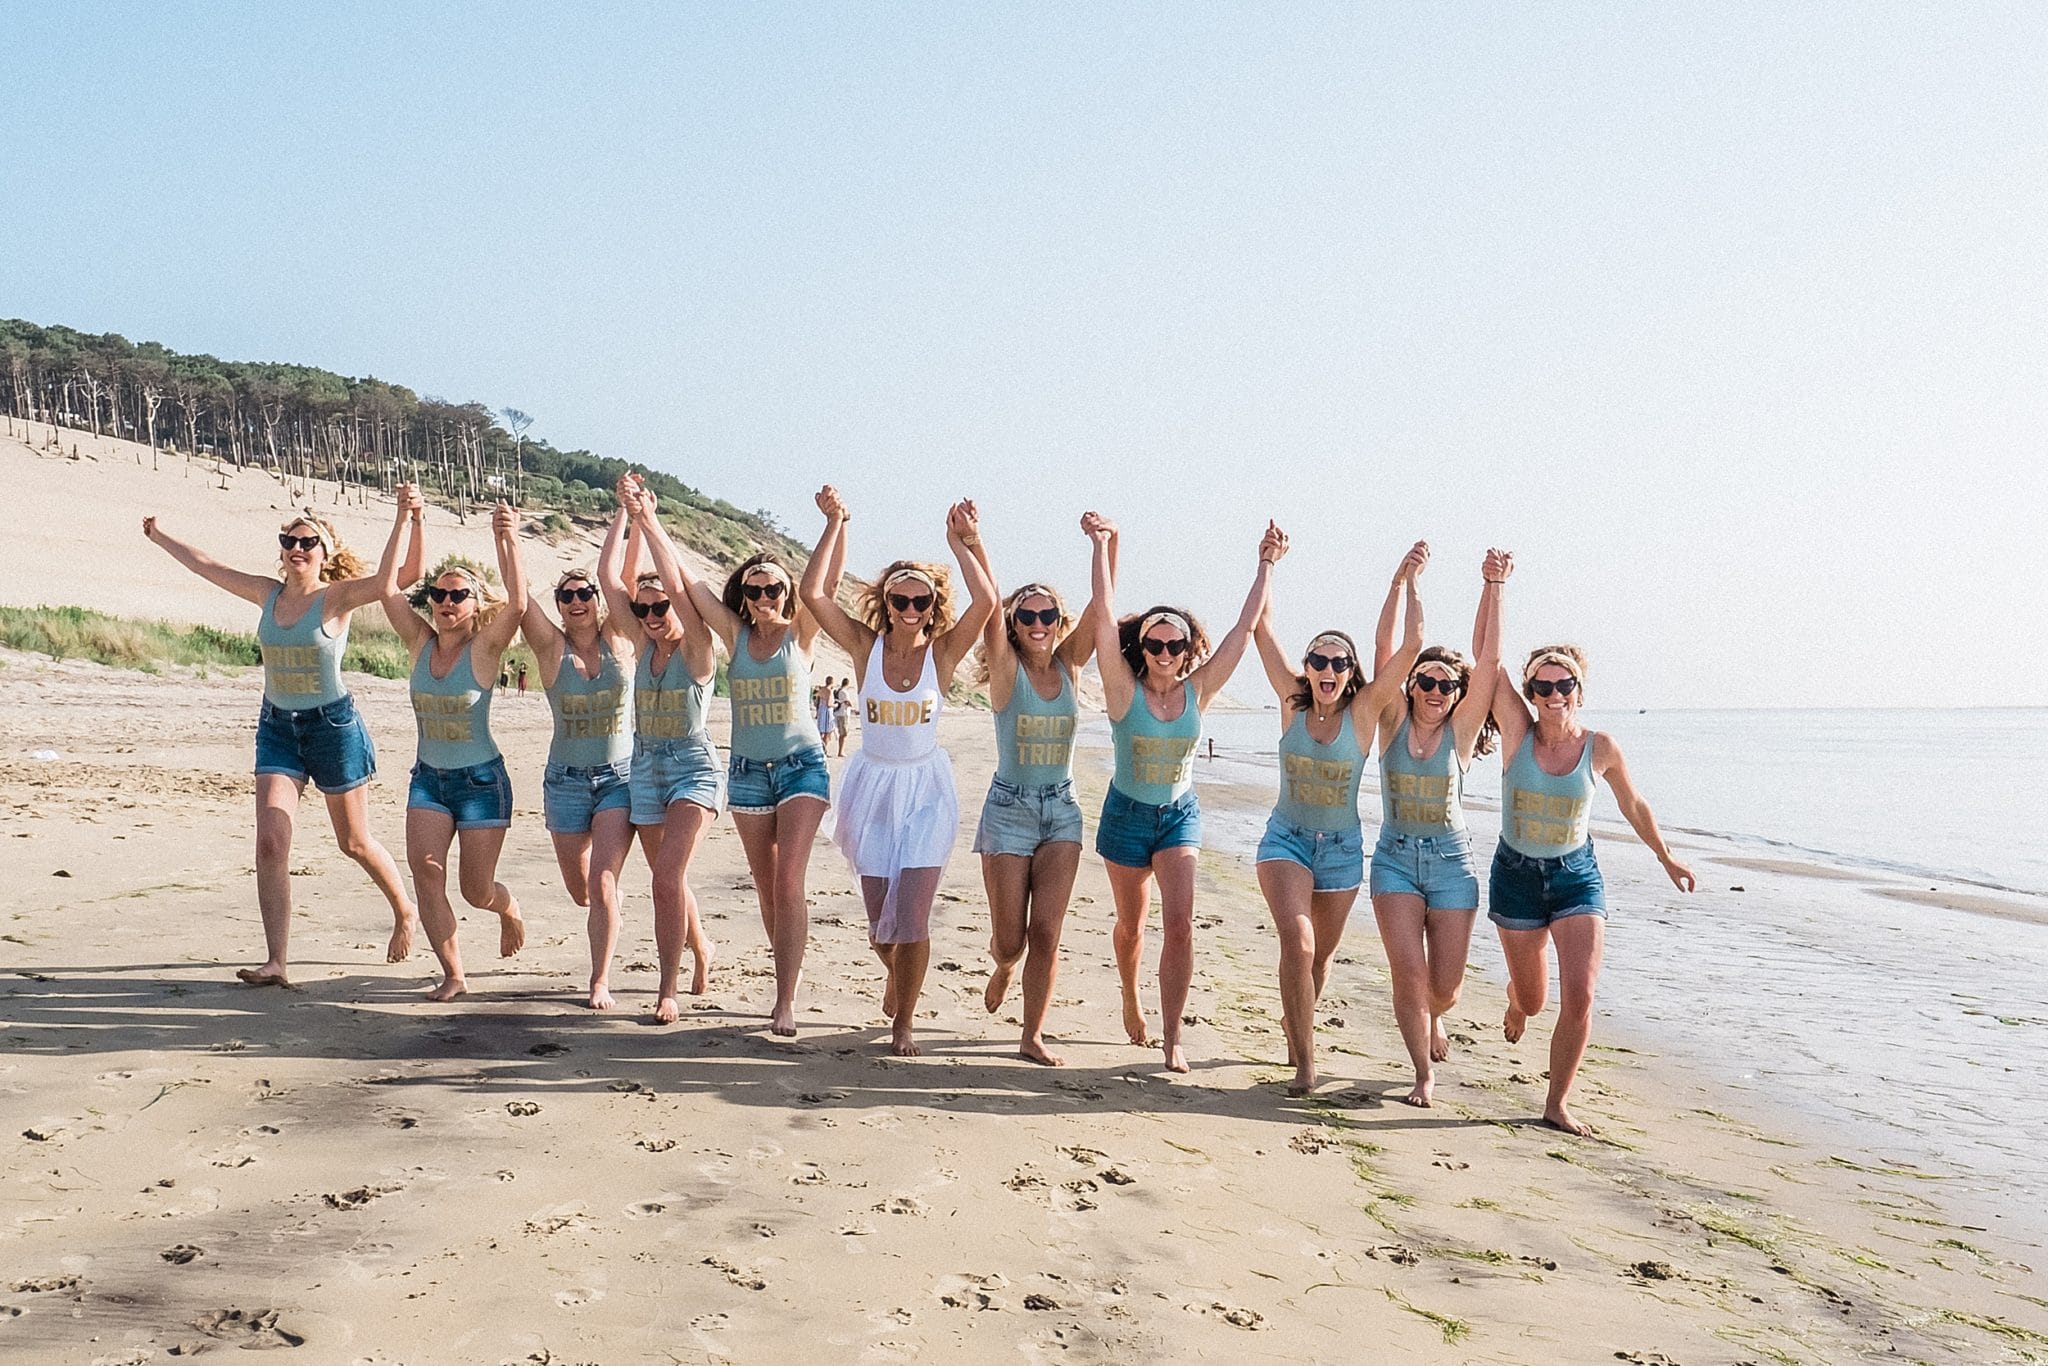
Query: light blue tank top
point(1155, 759)
point(454, 713)
point(1422, 797)
point(668, 705)
point(1541, 815)
point(301, 662)
point(1034, 737)
point(771, 701)
point(590, 713)
point(1318, 782)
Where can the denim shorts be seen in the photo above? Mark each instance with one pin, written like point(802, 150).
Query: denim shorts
point(1532, 893)
point(329, 744)
point(1131, 832)
point(478, 797)
point(757, 786)
point(1016, 820)
point(572, 795)
point(683, 770)
point(1437, 868)
point(1336, 857)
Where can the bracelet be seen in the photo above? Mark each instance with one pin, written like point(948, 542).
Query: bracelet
point(1496, 580)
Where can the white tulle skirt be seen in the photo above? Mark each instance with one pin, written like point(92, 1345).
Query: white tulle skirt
point(895, 816)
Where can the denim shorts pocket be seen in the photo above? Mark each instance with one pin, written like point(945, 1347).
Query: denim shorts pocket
point(1581, 860)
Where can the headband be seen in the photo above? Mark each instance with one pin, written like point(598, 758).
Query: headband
point(307, 518)
point(1335, 641)
point(768, 567)
point(910, 573)
point(1036, 590)
point(1563, 661)
point(1170, 618)
point(583, 574)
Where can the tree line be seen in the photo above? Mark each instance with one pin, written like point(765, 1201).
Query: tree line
point(305, 423)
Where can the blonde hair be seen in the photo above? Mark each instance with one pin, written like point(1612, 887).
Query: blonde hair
point(489, 597)
point(337, 561)
point(874, 599)
point(1570, 658)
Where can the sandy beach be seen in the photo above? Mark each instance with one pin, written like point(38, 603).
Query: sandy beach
point(346, 1170)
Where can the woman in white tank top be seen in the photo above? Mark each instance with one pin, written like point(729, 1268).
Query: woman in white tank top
point(897, 812)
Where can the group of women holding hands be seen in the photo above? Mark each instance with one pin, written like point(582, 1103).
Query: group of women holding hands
point(628, 660)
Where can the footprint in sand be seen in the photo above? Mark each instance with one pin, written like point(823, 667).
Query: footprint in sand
point(809, 1174)
point(1237, 1317)
point(247, 1328)
point(1025, 1179)
point(745, 1280)
point(577, 1296)
point(646, 1209)
point(182, 1255)
point(655, 1145)
point(45, 1285)
point(357, 1198)
point(521, 1108)
point(901, 1204)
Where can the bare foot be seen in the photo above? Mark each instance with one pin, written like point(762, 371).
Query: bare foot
point(1033, 1050)
point(1557, 1117)
point(1422, 1093)
point(600, 994)
point(1439, 1042)
point(1513, 1023)
point(450, 988)
point(1304, 1081)
point(889, 996)
point(667, 1010)
point(1134, 1023)
point(998, 987)
point(782, 1023)
point(511, 931)
point(400, 947)
point(900, 1042)
point(700, 976)
point(269, 975)
point(1176, 1058)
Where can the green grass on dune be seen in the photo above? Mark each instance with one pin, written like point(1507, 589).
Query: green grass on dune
point(131, 643)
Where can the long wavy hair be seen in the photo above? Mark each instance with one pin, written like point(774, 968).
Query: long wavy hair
point(1457, 663)
point(341, 562)
point(1129, 640)
point(874, 598)
point(1303, 696)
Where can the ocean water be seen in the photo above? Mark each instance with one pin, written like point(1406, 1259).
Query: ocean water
point(1910, 1032)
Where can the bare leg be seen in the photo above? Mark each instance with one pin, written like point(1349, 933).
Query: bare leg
point(681, 833)
point(350, 813)
point(1448, 935)
point(1288, 887)
point(1131, 889)
point(611, 835)
point(1175, 869)
point(1580, 940)
point(427, 837)
point(572, 856)
point(1007, 878)
point(277, 806)
point(757, 838)
point(1053, 868)
point(1401, 917)
point(1528, 978)
point(785, 838)
point(1331, 912)
point(906, 962)
point(481, 888)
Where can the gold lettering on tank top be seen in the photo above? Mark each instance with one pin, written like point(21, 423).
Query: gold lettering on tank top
point(1316, 782)
point(760, 701)
point(1163, 760)
point(1044, 740)
point(591, 715)
point(1421, 798)
point(1542, 818)
point(662, 713)
point(446, 718)
point(293, 669)
point(885, 713)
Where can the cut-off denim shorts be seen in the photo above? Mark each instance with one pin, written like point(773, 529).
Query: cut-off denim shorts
point(1016, 820)
point(1437, 868)
point(680, 770)
point(329, 744)
point(1527, 893)
point(1131, 832)
point(758, 786)
point(1336, 857)
point(479, 797)
point(571, 795)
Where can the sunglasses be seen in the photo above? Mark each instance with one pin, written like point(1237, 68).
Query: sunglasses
point(903, 602)
point(1047, 616)
point(1436, 683)
point(1335, 663)
point(657, 610)
point(757, 591)
point(1544, 687)
point(450, 594)
point(1176, 647)
point(575, 594)
point(298, 542)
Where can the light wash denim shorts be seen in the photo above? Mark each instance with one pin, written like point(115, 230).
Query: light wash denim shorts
point(1016, 820)
point(1336, 857)
point(682, 770)
point(571, 795)
point(758, 786)
point(479, 797)
point(1437, 868)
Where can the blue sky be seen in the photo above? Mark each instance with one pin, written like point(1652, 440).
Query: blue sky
point(1728, 320)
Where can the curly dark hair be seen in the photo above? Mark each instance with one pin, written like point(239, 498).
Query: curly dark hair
point(1303, 696)
point(1455, 661)
point(736, 601)
point(1128, 639)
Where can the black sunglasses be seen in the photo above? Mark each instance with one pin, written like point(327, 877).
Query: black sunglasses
point(297, 542)
point(903, 602)
point(757, 591)
point(450, 594)
point(1436, 683)
point(575, 594)
point(1044, 616)
point(1165, 647)
point(651, 609)
point(1336, 663)
point(1544, 687)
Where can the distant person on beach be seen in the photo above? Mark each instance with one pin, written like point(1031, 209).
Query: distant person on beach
point(460, 794)
point(821, 703)
point(776, 780)
point(1424, 880)
point(898, 811)
point(1311, 859)
point(308, 727)
point(522, 680)
point(1546, 885)
point(678, 783)
point(586, 670)
point(842, 714)
point(1029, 836)
point(1155, 685)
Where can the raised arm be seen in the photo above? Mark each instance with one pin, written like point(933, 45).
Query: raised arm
point(349, 594)
point(611, 561)
point(963, 534)
point(1611, 768)
point(1510, 713)
point(995, 638)
point(817, 590)
point(255, 588)
point(1470, 717)
point(496, 634)
point(1279, 669)
point(1383, 633)
point(1079, 646)
point(1217, 668)
point(1119, 684)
